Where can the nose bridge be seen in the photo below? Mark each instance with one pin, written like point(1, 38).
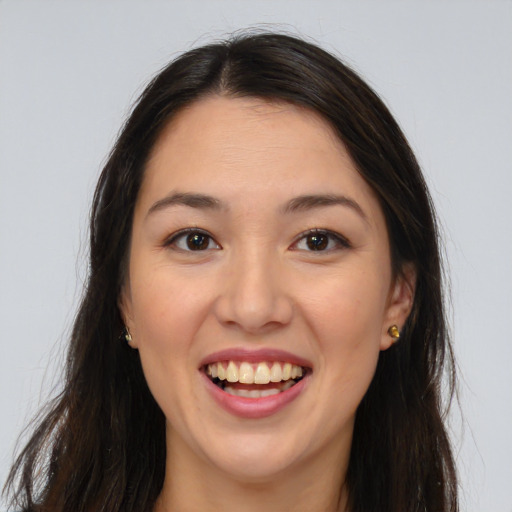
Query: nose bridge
point(254, 296)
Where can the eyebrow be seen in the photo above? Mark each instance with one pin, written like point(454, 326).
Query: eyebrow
point(297, 204)
point(200, 201)
point(310, 202)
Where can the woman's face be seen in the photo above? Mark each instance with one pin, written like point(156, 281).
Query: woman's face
point(258, 254)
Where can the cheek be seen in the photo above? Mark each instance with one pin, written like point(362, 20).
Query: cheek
point(166, 320)
point(166, 307)
point(167, 313)
point(348, 306)
point(346, 317)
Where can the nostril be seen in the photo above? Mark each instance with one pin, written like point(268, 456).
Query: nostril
point(253, 303)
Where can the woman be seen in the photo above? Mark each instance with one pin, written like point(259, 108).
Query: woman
point(263, 325)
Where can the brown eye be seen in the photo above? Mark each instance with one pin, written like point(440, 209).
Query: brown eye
point(192, 240)
point(317, 242)
point(197, 242)
point(320, 240)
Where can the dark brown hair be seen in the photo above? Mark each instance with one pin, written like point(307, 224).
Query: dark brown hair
point(101, 444)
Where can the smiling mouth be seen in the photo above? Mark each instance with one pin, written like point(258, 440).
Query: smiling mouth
point(254, 380)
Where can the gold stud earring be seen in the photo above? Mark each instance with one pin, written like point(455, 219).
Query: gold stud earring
point(394, 333)
point(127, 335)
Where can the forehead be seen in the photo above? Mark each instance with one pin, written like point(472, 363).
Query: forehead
point(220, 124)
point(243, 149)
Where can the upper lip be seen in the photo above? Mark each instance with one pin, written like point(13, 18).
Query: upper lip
point(255, 356)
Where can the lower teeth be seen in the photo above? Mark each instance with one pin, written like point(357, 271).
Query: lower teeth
point(258, 393)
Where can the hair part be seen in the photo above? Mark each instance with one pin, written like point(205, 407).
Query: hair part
point(101, 444)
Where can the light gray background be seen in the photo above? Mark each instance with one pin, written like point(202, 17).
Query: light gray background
point(69, 71)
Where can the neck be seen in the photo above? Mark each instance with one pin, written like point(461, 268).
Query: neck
point(193, 483)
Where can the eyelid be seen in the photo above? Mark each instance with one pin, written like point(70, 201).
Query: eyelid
point(341, 241)
point(170, 240)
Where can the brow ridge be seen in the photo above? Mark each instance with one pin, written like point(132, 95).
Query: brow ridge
point(193, 200)
point(296, 204)
point(309, 202)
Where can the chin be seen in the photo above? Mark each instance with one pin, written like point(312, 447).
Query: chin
point(256, 464)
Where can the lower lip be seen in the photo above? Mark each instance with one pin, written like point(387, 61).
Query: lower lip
point(254, 408)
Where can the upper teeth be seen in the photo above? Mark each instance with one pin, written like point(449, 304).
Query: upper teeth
point(260, 373)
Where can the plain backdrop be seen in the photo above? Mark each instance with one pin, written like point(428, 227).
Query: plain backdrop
point(69, 71)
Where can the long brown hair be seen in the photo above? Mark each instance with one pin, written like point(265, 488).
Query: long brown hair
point(101, 444)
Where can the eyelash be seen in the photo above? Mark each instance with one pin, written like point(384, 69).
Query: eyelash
point(175, 237)
point(339, 240)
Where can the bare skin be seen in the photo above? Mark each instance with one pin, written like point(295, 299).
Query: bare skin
point(253, 231)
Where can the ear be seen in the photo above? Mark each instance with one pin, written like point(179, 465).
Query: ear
point(399, 305)
point(124, 303)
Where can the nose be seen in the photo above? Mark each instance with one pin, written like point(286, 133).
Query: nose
point(253, 294)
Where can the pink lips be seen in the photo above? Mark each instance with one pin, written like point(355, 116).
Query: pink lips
point(254, 408)
point(255, 356)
